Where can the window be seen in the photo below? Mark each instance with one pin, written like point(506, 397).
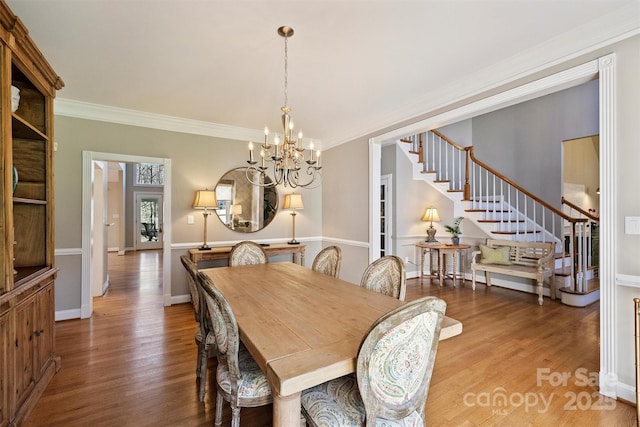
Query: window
point(149, 174)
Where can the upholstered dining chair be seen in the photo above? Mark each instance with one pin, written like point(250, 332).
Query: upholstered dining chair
point(386, 275)
point(239, 380)
point(205, 339)
point(328, 261)
point(394, 367)
point(247, 252)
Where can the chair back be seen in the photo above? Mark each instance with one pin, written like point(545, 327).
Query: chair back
point(192, 271)
point(328, 261)
point(247, 252)
point(386, 275)
point(396, 359)
point(224, 326)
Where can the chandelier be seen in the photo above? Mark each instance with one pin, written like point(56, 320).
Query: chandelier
point(291, 163)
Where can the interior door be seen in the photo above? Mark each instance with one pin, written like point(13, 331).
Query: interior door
point(148, 221)
point(99, 260)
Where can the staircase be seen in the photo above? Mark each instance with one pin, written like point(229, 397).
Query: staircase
point(505, 210)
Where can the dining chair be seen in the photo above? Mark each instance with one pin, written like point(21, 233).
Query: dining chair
point(239, 379)
point(328, 261)
point(386, 275)
point(393, 373)
point(247, 252)
point(204, 337)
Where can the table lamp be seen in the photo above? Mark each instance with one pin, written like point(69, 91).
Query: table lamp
point(431, 214)
point(205, 199)
point(293, 201)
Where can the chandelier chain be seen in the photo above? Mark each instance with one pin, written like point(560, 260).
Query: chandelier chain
point(286, 72)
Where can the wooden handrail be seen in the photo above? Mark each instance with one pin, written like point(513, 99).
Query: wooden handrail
point(521, 189)
point(579, 209)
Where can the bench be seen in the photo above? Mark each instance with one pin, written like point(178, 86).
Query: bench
point(531, 260)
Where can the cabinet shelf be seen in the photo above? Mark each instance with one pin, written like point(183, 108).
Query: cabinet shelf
point(29, 201)
point(23, 129)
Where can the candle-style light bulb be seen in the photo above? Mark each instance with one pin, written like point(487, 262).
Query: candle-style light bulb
point(318, 156)
point(266, 135)
point(251, 151)
point(262, 154)
point(300, 139)
point(311, 149)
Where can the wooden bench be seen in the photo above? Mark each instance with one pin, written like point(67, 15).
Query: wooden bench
point(532, 260)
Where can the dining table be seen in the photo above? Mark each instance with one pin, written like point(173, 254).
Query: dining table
point(302, 327)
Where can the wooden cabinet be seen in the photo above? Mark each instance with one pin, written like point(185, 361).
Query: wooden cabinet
point(27, 302)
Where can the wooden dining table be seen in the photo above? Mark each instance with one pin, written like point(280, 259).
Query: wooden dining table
point(302, 327)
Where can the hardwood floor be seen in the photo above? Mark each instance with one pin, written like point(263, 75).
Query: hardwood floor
point(133, 362)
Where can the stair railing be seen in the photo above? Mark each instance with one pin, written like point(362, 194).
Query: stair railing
point(517, 213)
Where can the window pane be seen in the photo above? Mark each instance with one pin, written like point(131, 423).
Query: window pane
point(149, 174)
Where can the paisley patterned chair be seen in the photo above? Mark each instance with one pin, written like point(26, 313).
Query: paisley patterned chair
point(395, 363)
point(247, 252)
point(387, 276)
point(239, 379)
point(328, 261)
point(205, 339)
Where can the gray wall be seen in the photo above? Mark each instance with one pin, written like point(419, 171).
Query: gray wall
point(197, 163)
point(524, 142)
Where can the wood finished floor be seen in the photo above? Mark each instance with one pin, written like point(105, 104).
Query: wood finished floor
point(133, 363)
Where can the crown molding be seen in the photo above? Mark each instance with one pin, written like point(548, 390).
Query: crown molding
point(105, 113)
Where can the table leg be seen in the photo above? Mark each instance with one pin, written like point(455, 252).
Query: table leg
point(422, 251)
point(441, 267)
point(454, 255)
point(286, 410)
point(302, 255)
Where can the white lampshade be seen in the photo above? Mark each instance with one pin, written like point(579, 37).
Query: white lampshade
point(431, 214)
point(205, 199)
point(293, 201)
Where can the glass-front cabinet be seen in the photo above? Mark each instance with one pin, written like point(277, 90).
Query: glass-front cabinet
point(27, 295)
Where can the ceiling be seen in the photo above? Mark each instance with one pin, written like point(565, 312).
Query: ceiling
point(354, 66)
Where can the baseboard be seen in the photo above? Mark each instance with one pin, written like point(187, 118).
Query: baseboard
point(177, 299)
point(68, 314)
point(626, 392)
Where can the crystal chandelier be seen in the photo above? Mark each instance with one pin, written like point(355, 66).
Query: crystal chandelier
point(287, 157)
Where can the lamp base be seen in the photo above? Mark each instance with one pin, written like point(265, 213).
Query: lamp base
point(431, 235)
point(293, 242)
point(204, 248)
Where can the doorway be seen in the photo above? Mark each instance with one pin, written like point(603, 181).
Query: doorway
point(88, 160)
point(148, 223)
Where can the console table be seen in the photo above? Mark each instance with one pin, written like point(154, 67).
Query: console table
point(222, 252)
point(443, 250)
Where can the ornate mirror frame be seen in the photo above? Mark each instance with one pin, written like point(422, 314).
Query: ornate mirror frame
point(242, 206)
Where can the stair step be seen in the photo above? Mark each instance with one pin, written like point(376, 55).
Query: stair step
point(516, 232)
point(484, 210)
point(454, 191)
point(591, 284)
point(441, 181)
point(428, 171)
point(497, 221)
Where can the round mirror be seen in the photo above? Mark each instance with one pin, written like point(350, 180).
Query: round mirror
point(242, 206)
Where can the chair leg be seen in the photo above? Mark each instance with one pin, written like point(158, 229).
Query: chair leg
point(235, 420)
point(203, 357)
point(219, 402)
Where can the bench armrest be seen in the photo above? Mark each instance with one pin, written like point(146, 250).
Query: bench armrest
point(474, 254)
point(546, 260)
